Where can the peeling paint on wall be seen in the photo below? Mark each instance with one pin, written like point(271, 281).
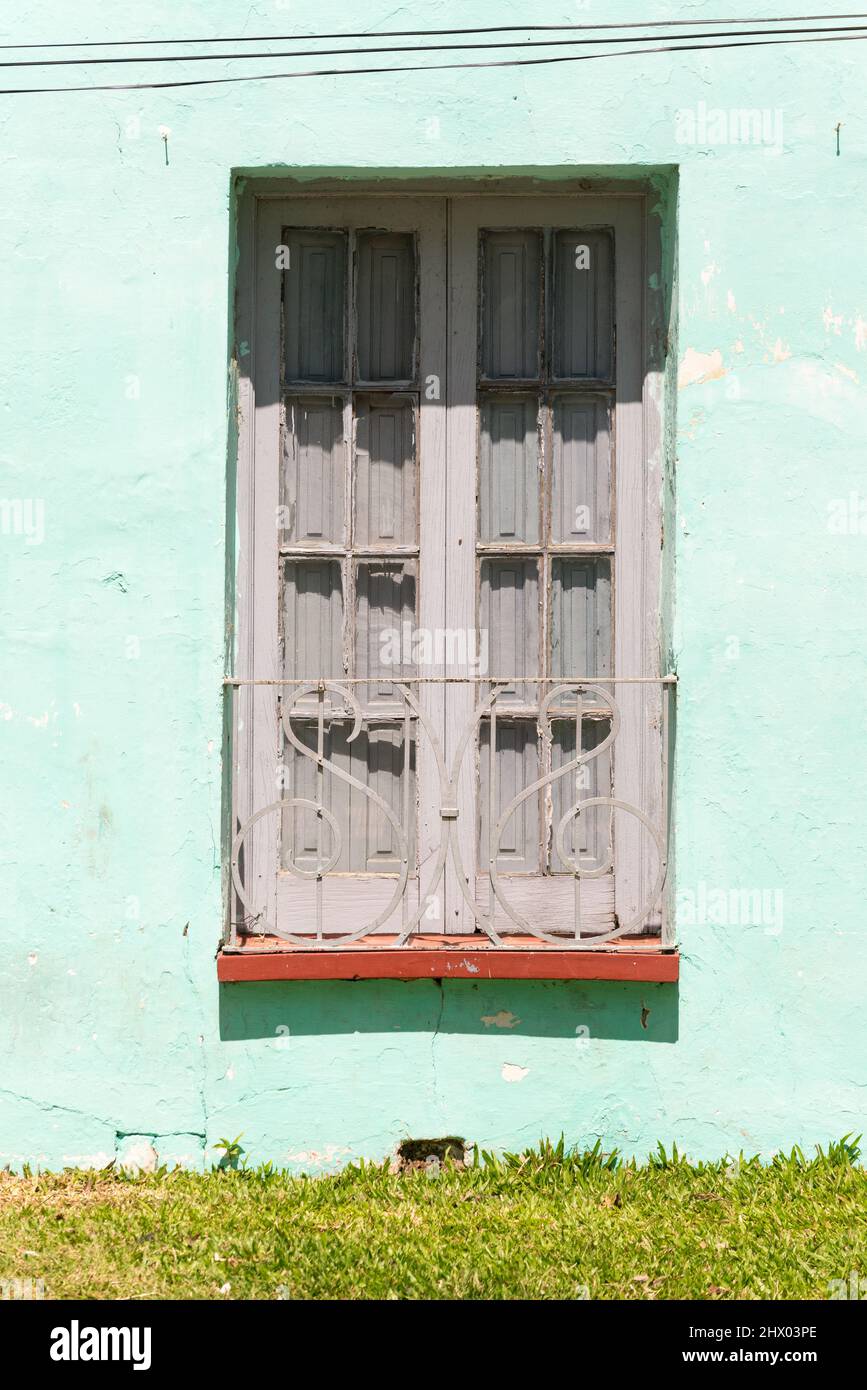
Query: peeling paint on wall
point(512, 1072)
point(698, 367)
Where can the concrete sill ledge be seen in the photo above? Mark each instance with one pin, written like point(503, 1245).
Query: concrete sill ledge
point(447, 957)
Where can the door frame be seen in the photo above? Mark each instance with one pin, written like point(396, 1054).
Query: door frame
point(251, 778)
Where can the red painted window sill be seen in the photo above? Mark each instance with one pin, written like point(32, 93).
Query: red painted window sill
point(448, 957)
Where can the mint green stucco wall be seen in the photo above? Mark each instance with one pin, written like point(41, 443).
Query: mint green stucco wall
point(115, 270)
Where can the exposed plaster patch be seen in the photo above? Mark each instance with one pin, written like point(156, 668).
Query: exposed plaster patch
point(730, 302)
point(823, 390)
point(709, 272)
point(860, 334)
point(832, 320)
point(32, 958)
point(739, 345)
point(691, 428)
point(780, 351)
point(698, 367)
point(846, 371)
point(503, 1019)
point(316, 1158)
point(138, 1155)
point(512, 1072)
point(97, 1160)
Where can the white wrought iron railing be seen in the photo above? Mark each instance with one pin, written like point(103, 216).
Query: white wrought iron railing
point(318, 704)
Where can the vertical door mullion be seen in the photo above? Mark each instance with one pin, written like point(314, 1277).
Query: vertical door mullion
point(460, 573)
point(350, 334)
point(433, 377)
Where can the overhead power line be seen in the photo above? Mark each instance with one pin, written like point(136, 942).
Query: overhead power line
point(408, 48)
point(419, 33)
point(433, 67)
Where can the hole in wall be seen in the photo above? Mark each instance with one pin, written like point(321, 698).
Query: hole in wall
point(417, 1153)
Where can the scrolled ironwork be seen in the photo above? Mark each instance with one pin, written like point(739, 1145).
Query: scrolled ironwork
point(584, 696)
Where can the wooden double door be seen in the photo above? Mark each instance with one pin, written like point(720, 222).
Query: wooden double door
point(448, 499)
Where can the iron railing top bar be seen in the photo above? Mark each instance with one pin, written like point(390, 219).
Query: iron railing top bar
point(670, 679)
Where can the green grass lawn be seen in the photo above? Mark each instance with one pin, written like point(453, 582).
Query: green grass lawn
point(546, 1224)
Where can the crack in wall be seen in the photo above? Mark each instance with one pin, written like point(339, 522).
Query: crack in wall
point(440, 985)
point(203, 1071)
point(49, 1106)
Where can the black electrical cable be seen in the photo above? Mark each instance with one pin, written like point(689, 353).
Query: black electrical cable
point(429, 67)
point(425, 33)
point(406, 48)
